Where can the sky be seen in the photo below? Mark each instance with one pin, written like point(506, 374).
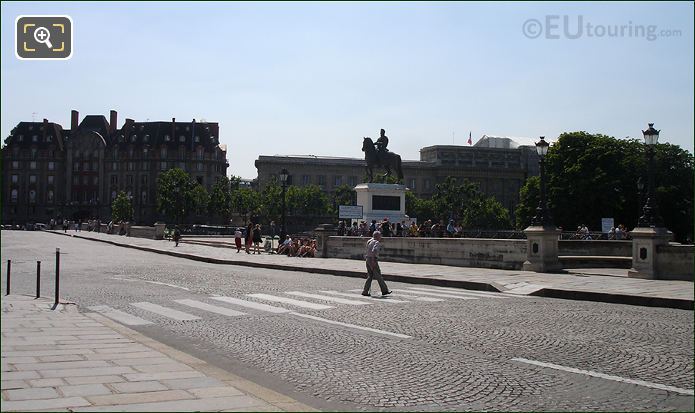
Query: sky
point(314, 78)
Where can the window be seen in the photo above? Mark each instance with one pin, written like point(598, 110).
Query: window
point(131, 166)
point(182, 138)
point(95, 181)
point(32, 196)
point(197, 139)
point(163, 153)
point(32, 165)
point(49, 196)
point(129, 179)
point(352, 181)
point(143, 196)
point(13, 195)
point(145, 166)
point(306, 179)
point(182, 166)
point(114, 179)
point(32, 179)
point(322, 179)
point(75, 166)
point(35, 138)
point(49, 138)
point(337, 180)
point(412, 183)
point(113, 195)
point(144, 151)
point(15, 164)
point(50, 179)
point(85, 180)
point(143, 180)
point(85, 165)
point(51, 166)
point(15, 179)
point(34, 152)
point(114, 166)
point(75, 180)
point(199, 154)
point(166, 138)
point(199, 166)
point(163, 166)
point(428, 184)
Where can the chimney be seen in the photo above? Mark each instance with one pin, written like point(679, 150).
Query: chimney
point(113, 121)
point(173, 129)
point(74, 120)
point(45, 128)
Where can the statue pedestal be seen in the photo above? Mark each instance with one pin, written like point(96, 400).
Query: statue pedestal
point(542, 249)
point(381, 201)
point(645, 242)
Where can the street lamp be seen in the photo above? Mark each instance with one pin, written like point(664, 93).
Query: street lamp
point(542, 217)
point(650, 216)
point(283, 179)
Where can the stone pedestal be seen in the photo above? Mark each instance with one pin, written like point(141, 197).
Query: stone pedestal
point(645, 241)
point(542, 249)
point(381, 201)
point(322, 233)
point(159, 228)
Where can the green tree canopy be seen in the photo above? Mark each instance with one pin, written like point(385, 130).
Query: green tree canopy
point(246, 201)
point(121, 208)
point(175, 194)
point(200, 199)
point(221, 199)
point(529, 196)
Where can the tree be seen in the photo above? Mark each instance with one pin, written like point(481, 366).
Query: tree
point(200, 199)
point(529, 196)
point(344, 195)
point(451, 198)
point(175, 194)
point(221, 199)
point(486, 213)
point(307, 200)
point(246, 201)
point(121, 208)
point(593, 176)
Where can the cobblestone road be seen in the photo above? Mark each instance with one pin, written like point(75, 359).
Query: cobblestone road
point(428, 348)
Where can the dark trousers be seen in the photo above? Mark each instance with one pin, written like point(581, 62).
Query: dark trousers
point(374, 273)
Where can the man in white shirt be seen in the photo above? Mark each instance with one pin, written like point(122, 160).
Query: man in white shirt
point(372, 258)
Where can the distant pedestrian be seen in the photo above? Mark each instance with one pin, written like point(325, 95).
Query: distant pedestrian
point(372, 259)
point(248, 238)
point(176, 236)
point(237, 239)
point(257, 239)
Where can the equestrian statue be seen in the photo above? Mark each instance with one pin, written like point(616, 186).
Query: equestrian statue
point(378, 156)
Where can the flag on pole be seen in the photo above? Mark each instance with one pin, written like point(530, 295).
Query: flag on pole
point(470, 138)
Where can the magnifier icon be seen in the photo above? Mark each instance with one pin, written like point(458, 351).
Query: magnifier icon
point(42, 35)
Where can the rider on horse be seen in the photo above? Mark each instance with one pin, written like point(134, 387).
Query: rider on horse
point(381, 144)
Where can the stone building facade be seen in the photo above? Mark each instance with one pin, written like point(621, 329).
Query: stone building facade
point(51, 172)
point(499, 166)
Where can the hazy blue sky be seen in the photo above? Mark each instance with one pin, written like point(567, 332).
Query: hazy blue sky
point(313, 78)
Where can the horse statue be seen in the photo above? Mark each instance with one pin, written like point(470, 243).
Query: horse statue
point(376, 159)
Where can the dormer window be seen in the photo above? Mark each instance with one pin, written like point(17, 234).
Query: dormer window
point(31, 127)
point(133, 138)
point(49, 138)
point(188, 128)
point(182, 138)
point(146, 138)
point(35, 138)
point(197, 138)
point(142, 127)
point(166, 138)
point(21, 138)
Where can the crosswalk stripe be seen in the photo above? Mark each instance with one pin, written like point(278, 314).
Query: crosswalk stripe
point(416, 298)
point(361, 297)
point(291, 301)
point(326, 298)
point(210, 308)
point(459, 291)
point(251, 304)
point(120, 316)
point(441, 295)
point(373, 330)
point(164, 311)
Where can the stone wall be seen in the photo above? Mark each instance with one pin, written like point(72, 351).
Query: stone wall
point(142, 232)
point(595, 248)
point(675, 262)
point(460, 252)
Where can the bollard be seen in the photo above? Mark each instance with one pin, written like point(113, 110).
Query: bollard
point(38, 279)
point(9, 268)
point(55, 303)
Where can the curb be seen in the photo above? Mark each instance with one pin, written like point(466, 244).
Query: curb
point(469, 285)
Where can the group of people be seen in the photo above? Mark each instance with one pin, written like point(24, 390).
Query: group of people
point(401, 229)
point(76, 225)
point(252, 239)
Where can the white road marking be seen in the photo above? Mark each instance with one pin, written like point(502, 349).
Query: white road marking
point(361, 297)
point(164, 311)
point(446, 290)
point(251, 304)
point(168, 285)
point(416, 298)
point(120, 316)
point(373, 330)
point(326, 298)
point(210, 308)
point(443, 295)
point(689, 392)
point(291, 301)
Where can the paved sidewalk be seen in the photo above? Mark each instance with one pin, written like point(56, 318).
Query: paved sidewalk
point(64, 360)
point(605, 285)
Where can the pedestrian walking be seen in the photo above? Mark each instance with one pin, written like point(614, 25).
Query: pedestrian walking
point(248, 238)
point(371, 257)
point(237, 239)
point(257, 239)
point(176, 236)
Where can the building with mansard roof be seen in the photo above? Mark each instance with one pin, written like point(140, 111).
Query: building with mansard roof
point(51, 172)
